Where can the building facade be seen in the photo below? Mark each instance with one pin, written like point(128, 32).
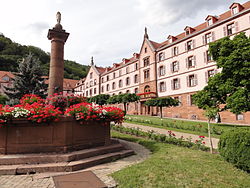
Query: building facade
point(177, 67)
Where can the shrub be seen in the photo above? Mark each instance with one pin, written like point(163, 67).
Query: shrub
point(234, 147)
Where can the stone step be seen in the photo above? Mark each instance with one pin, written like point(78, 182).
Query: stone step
point(63, 166)
point(57, 158)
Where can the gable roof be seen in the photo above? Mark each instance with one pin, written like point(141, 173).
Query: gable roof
point(5, 73)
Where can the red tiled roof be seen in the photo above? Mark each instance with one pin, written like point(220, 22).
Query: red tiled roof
point(5, 73)
point(100, 69)
point(204, 25)
point(155, 44)
point(67, 83)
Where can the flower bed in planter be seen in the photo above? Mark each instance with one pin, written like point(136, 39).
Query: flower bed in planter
point(35, 126)
point(67, 134)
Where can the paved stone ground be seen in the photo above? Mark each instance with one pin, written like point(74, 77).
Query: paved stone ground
point(45, 180)
point(178, 134)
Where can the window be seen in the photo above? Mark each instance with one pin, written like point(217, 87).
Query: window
point(102, 89)
point(90, 92)
point(175, 83)
point(175, 66)
point(239, 117)
point(94, 90)
point(136, 66)
point(235, 10)
point(178, 99)
point(127, 81)
point(91, 83)
point(146, 61)
point(120, 72)
point(146, 74)
point(127, 70)
point(95, 82)
point(6, 78)
point(107, 87)
point(187, 32)
point(209, 74)
point(145, 49)
point(87, 93)
point(161, 56)
point(91, 75)
point(207, 57)
point(136, 90)
point(189, 45)
point(107, 77)
point(161, 70)
point(162, 86)
point(113, 85)
point(120, 83)
point(209, 22)
point(208, 38)
point(87, 85)
point(192, 80)
point(175, 51)
point(113, 75)
point(127, 91)
point(147, 89)
point(102, 80)
point(191, 62)
point(230, 29)
point(136, 78)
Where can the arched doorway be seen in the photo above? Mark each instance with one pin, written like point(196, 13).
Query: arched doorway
point(147, 90)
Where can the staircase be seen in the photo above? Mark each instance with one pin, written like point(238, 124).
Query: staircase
point(66, 162)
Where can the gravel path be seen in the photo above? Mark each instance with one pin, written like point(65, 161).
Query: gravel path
point(178, 134)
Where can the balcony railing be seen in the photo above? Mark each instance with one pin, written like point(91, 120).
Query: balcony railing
point(147, 95)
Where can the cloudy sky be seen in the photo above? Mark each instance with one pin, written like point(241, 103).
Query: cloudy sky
point(109, 30)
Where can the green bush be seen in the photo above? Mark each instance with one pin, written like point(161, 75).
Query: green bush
point(234, 147)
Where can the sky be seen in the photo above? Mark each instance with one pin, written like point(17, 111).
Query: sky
point(108, 30)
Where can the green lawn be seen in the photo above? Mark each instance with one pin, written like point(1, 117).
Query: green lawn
point(173, 166)
point(193, 127)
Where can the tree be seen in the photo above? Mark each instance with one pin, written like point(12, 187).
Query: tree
point(28, 79)
point(162, 102)
point(3, 99)
point(229, 89)
point(99, 99)
point(124, 98)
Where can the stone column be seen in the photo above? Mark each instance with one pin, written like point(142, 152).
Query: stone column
point(58, 37)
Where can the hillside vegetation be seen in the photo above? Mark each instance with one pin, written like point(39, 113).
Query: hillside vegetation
point(11, 53)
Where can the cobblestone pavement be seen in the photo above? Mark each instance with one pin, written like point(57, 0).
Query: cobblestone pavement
point(45, 180)
point(178, 134)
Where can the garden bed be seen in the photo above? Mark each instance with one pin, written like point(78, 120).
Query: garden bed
point(67, 134)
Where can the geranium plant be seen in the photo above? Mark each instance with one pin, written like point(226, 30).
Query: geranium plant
point(93, 112)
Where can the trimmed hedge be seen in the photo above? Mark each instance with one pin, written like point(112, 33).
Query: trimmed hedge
point(234, 147)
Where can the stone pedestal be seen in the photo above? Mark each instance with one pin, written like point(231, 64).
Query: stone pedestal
point(58, 37)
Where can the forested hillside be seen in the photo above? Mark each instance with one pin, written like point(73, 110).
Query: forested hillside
point(11, 53)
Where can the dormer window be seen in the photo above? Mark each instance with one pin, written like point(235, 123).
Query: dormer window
point(235, 10)
point(209, 22)
point(189, 30)
point(6, 78)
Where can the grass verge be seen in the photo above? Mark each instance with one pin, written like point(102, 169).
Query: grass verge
point(173, 166)
point(192, 127)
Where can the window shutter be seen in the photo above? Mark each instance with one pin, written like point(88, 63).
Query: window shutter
point(179, 83)
point(194, 58)
point(171, 67)
point(195, 80)
point(205, 57)
point(178, 66)
point(163, 56)
point(157, 57)
point(203, 40)
point(188, 100)
point(187, 63)
point(206, 76)
point(186, 47)
point(177, 50)
point(213, 36)
point(236, 26)
point(180, 100)
point(165, 88)
point(172, 84)
point(187, 78)
point(225, 31)
point(164, 70)
point(193, 44)
point(172, 51)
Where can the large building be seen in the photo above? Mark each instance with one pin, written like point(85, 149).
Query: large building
point(177, 67)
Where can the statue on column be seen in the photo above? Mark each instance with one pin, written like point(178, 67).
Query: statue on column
point(58, 17)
